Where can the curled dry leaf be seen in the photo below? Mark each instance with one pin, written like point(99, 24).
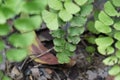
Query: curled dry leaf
point(45, 57)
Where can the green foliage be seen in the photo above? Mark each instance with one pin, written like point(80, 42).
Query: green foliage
point(117, 25)
point(107, 27)
point(16, 55)
point(39, 6)
point(74, 16)
point(4, 29)
point(71, 7)
point(102, 27)
point(28, 24)
point(50, 19)
point(81, 2)
point(64, 15)
point(104, 18)
point(22, 40)
point(109, 9)
point(114, 70)
point(116, 3)
point(55, 4)
point(66, 20)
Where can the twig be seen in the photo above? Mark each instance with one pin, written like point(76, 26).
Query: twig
point(41, 54)
point(23, 63)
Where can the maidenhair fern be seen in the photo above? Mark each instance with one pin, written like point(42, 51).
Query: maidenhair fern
point(106, 26)
point(71, 17)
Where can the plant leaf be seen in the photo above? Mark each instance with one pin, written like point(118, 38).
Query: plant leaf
point(71, 7)
point(109, 9)
point(58, 48)
point(63, 58)
point(104, 41)
point(86, 10)
point(91, 28)
point(117, 25)
point(110, 60)
point(73, 39)
point(117, 77)
point(4, 29)
point(9, 13)
point(39, 6)
point(78, 21)
point(16, 55)
point(55, 4)
point(65, 16)
point(105, 50)
point(117, 44)
point(117, 54)
point(81, 2)
point(114, 70)
point(117, 36)
point(28, 24)
point(22, 40)
point(102, 27)
point(59, 42)
point(104, 18)
point(116, 3)
point(50, 19)
point(70, 47)
point(15, 6)
point(75, 31)
point(58, 33)
point(2, 17)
